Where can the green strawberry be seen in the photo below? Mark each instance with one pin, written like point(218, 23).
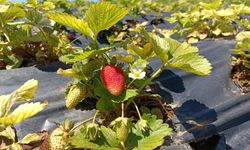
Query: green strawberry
point(122, 132)
point(58, 139)
point(113, 79)
point(121, 126)
point(75, 94)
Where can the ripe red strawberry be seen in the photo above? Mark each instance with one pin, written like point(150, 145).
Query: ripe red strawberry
point(113, 79)
point(71, 36)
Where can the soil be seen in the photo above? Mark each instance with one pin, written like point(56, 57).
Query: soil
point(241, 75)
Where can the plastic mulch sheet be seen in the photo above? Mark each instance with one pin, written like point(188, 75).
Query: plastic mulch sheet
point(206, 105)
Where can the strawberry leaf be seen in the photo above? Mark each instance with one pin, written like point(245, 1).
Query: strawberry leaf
point(129, 93)
point(105, 104)
point(32, 137)
point(22, 112)
point(110, 136)
point(9, 133)
point(158, 130)
point(79, 141)
point(72, 22)
point(79, 56)
point(179, 55)
point(104, 15)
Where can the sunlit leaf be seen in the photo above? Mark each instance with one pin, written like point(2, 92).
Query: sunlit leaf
point(72, 22)
point(243, 35)
point(179, 55)
point(104, 15)
point(27, 91)
point(79, 141)
point(72, 58)
point(23, 112)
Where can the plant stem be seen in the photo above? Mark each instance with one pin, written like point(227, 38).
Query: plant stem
point(96, 113)
point(131, 83)
point(136, 107)
point(156, 73)
point(81, 123)
point(122, 109)
point(44, 34)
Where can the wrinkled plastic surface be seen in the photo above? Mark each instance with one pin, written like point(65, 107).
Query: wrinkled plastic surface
point(206, 105)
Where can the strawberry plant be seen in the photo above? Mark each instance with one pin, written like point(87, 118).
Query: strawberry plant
point(115, 80)
point(209, 20)
point(24, 111)
point(241, 65)
point(27, 36)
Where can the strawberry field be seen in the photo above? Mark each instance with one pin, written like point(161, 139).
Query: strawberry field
point(125, 75)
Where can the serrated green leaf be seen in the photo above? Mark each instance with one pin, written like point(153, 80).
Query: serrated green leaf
point(143, 53)
point(179, 55)
point(5, 104)
point(104, 104)
point(139, 63)
point(110, 136)
point(32, 137)
point(27, 91)
point(129, 93)
point(72, 58)
point(79, 141)
point(103, 15)
point(22, 112)
point(72, 22)
point(159, 45)
point(158, 130)
point(155, 139)
point(193, 63)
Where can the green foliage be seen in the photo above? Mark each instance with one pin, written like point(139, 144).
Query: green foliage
point(27, 34)
point(136, 139)
point(207, 20)
point(104, 15)
point(24, 111)
point(72, 22)
point(242, 47)
point(179, 55)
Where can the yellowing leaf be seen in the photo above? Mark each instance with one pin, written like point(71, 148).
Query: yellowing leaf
point(27, 91)
point(225, 12)
point(5, 104)
point(32, 137)
point(243, 35)
point(69, 73)
point(104, 15)
point(23, 112)
point(72, 22)
point(8, 133)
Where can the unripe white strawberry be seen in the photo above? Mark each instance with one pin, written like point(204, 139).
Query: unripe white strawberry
point(59, 137)
point(75, 94)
